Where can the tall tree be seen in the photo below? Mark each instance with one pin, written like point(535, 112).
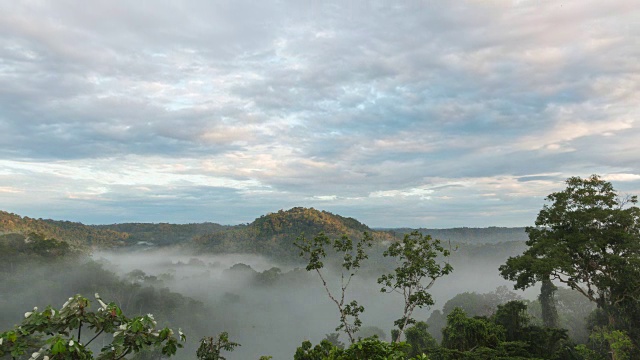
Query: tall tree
point(548, 303)
point(418, 269)
point(353, 254)
point(588, 238)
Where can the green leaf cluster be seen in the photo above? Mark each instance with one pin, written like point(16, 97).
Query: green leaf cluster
point(62, 332)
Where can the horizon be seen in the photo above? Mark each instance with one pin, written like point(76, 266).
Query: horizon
point(378, 228)
point(420, 114)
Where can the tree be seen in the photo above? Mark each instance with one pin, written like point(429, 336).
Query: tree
point(589, 239)
point(548, 303)
point(363, 349)
point(420, 340)
point(466, 334)
point(211, 348)
point(64, 330)
point(417, 256)
point(352, 256)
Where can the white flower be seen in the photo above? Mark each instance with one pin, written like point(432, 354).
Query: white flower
point(96, 295)
point(1, 340)
point(35, 355)
point(70, 342)
point(117, 333)
point(45, 358)
point(122, 327)
point(102, 304)
point(180, 332)
point(27, 314)
point(35, 308)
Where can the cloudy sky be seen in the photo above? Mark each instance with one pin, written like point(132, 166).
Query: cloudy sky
point(426, 114)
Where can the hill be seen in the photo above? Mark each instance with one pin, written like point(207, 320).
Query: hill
point(74, 233)
point(270, 234)
point(274, 233)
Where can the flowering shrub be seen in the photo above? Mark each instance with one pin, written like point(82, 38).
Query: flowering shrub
point(62, 334)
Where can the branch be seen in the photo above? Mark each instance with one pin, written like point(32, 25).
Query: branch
point(324, 283)
point(123, 354)
point(93, 338)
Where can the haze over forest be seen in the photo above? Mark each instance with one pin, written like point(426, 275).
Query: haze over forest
point(247, 280)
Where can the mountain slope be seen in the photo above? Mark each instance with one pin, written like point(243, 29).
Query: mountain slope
point(74, 233)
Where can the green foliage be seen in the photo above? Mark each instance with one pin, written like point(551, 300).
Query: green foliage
point(463, 333)
point(18, 248)
point(62, 332)
point(573, 310)
point(274, 234)
point(513, 317)
point(548, 304)
point(417, 258)
point(364, 349)
point(589, 239)
point(420, 340)
point(605, 344)
point(506, 335)
point(210, 348)
point(319, 352)
point(76, 234)
point(315, 251)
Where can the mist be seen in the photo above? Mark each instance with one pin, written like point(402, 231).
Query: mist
point(272, 316)
point(267, 306)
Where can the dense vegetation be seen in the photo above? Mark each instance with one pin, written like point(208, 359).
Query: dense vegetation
point(74, 233)
point(162, 234)
point(586, 238)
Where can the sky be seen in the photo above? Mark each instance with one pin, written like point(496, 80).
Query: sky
point(418, 113)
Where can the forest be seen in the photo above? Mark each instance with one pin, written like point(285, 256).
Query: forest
point(306, 284)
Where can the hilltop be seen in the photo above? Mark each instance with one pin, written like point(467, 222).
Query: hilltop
point(274, 233)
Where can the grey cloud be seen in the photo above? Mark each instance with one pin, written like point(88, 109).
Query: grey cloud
point(383, 95)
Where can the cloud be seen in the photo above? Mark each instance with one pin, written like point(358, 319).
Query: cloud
point(286, 104)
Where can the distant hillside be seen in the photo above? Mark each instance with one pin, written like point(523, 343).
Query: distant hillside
point(471, 235)
point(274, 233)
point(71, 232)
point(271, 234)
point(163, 234)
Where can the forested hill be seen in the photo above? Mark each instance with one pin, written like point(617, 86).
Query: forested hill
point(274, 233)
point(162, 234)
point(471, 235)
point(71, 232)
